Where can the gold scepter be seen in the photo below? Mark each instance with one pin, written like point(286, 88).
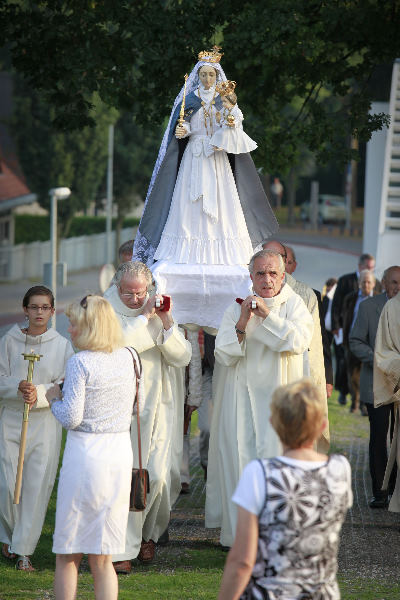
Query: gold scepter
point(32, 358)
point(182, 111)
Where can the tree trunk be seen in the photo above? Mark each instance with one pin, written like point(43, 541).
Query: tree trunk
point(291, 196)
point(354, 168)
point(118, 227)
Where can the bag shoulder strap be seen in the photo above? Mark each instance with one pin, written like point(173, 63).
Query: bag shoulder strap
point(138, 373)
point(135, 355)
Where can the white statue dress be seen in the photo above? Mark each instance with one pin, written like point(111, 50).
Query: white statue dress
point(205, 223)
point(205, 245)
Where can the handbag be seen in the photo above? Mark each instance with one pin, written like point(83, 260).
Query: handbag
point(140, 484)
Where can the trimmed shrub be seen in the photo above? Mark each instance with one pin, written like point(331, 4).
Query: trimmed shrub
point(36, 228)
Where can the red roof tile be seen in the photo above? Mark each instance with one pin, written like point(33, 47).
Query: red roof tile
point(11, 186)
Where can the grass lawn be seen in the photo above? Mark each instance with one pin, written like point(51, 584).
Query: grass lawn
point(186, 569)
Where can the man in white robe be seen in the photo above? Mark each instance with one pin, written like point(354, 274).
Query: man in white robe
point(387, 383)
point(314, 364)
point(164, 352)
point(256, 350)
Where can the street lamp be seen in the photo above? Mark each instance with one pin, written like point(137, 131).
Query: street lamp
point(60, 193)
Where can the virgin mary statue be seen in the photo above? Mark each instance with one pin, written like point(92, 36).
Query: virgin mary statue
point(205, 209)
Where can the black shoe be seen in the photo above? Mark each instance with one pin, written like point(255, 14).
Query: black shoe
point(364, 410)
point(204, 467)
point(185, 488)
point(378, 502)
point(163, 540)
point(225, 548)
point(342, 399)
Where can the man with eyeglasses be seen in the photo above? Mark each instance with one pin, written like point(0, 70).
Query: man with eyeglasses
point(164, 351)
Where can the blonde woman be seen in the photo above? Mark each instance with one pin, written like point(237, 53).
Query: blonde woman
point(290, 510)
point(93, 491)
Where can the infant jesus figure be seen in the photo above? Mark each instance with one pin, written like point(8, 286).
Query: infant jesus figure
point(230, 135)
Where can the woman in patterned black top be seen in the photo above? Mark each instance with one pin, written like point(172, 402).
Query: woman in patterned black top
point(290, 510)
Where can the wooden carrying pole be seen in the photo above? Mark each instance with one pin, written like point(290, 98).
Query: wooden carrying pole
point(18, 481)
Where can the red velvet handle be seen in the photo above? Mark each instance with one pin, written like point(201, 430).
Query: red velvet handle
point(166, 302)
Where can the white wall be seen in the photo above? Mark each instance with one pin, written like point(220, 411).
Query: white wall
point(26, 260)
point(373, 183)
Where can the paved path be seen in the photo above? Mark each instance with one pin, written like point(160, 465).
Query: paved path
point(370, 538)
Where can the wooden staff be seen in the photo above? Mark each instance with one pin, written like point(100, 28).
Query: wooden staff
point(182, 111)
point(32, 358)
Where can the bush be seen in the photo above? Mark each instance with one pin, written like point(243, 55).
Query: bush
point(36, 228)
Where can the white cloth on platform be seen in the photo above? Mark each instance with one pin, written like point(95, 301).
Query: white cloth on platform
point(205, 224)
point(163, 356)
point(94, 485)
point(201, 293)
point(21, 525)
point(245, 377)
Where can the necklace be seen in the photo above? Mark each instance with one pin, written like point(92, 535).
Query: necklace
point(207, 112)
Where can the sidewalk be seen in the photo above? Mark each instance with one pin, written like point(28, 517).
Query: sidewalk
point(369, 547)
point(78, 285)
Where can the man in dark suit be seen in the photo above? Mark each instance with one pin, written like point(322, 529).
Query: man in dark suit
point(351, 304)
point(346, 284)
point(326, 346)
point(361, 343)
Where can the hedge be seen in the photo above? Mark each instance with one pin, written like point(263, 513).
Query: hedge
point(36, 228)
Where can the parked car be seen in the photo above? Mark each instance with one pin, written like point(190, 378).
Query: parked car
point(331, 209)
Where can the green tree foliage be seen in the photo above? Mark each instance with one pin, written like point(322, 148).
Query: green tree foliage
point(313, 55)
point(36, 228)
point(51, 158)
point(135, 151)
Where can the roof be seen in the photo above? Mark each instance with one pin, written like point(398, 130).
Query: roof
point(13, 188)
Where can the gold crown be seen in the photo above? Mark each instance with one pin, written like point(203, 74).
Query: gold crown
point(225, 87)
point(212, 56)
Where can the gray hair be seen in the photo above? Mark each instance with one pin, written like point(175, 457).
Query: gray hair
point(134, 270)
point(366, 272)
point(387, 272)
point(364, 258)
point(292, 251)
point(126, 248)
point(269, 253)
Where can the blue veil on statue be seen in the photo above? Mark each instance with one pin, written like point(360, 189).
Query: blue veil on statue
point(205, 209)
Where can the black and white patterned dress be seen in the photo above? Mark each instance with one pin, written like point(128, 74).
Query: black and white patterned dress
point(299, 527)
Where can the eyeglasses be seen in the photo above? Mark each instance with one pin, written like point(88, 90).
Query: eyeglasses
point(44, 308)
point(83, 302)
point(129, 295)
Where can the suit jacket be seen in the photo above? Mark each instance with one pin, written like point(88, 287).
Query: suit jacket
point(362, 341)
point(324, 306)
point(326, 342)
point(346, 284)
point(349, 304)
